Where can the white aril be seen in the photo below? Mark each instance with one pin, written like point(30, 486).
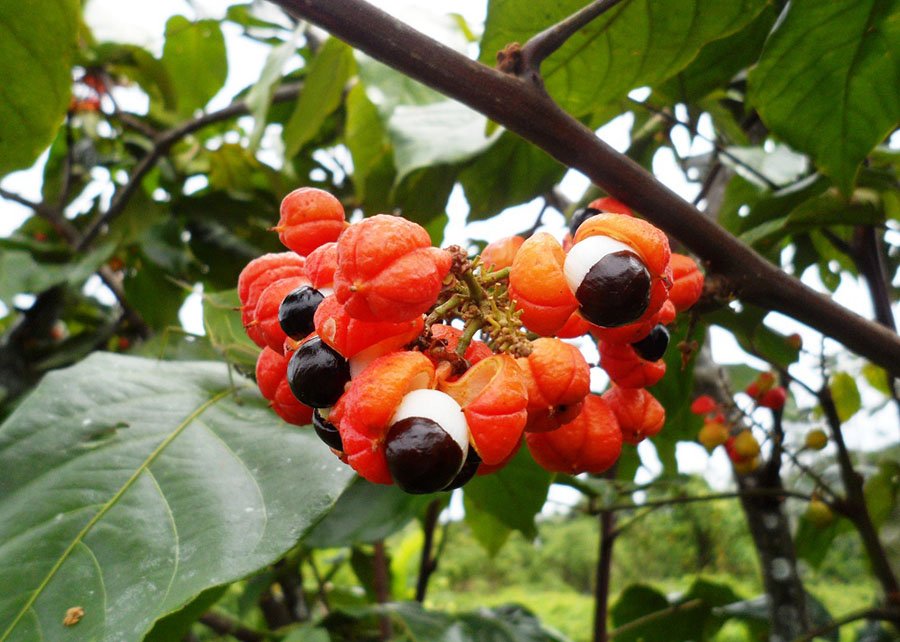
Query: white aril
point(586, 253)
point(441, 408)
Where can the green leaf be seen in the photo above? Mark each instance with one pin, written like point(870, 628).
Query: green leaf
point(307, 633)
point(634, 602)
point(487, 530)
point(508, 623)
point(813, 541)
point(370, 148)
point(513, 495)
point(175, 625)
point(366, 512)
point(846, 395)
point(881, 491)
point(719, 61)
point(511, 172)
point(259, 98)
point(440, 133)
point(877, 378)
point(632, 45)
point(754, 336)
point(222, 321)
point(37, 46)
point(828, 83)
point(133, 485)
point(194, 57)
point(321, 95)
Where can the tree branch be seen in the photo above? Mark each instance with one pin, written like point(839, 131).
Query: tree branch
point(525, 109)
point(161, 145)
point(428, 564)
point(889, 615)
point(690, 499)
point(541, 45)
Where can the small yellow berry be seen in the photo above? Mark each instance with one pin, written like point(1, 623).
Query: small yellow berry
point(816, 439)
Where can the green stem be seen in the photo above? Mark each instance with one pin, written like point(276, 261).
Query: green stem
point(493, 277)
point(472, 326)
point(443, 310)
point(476, 293)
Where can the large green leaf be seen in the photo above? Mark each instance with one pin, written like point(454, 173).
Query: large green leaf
point(511, 172)
point(194, 57)
point(828, 80)
point(322, 91)
point(514, 495)
point(373, 157)
point(37, 44)
point(632, 45)
point(130, 486)
point(366, 512)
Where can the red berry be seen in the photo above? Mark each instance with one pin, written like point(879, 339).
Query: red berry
point(310, 218)
point(271, 370)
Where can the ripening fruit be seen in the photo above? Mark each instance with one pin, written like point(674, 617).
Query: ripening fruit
point(271, 370)
point(712, 435)
point(263, 266)
point(704, 405)
point(309, 218)
point(687, 282)
point(639, 414)
point(590, 443)
point(427, 442)
point(558, 379)
point(320, 266)
point(815, 439)
point(774, 398)
point(295, 314)
point(609, 280)
point(761, 385)
point(745, 444)
point(537, 283)
point(267, 315)
point(653, 346)
point(818, 513)
point(501, 253)
point(317, 374)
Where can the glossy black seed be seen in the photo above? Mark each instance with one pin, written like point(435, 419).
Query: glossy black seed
point(615, 291)
point(467, 472)
point(653, 346)
point(317, 374)
point(327, 431)
point(579, 216)
point(422, 456)
point(295, 314)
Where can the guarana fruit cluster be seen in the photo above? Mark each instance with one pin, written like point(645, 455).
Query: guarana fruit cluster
point(423, 367)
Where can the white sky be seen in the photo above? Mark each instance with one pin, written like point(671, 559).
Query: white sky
point(143, 24)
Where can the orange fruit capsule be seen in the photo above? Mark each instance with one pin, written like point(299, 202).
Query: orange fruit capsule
point(262, 266)
point(640, 415)
point(627, 369)
point(309, 218)
point(590, 443)
point(265, 314)
point(321, 264)
point(286, 406)
point(351, 336)
point(363, 414)
point(494, 399)
point(387, 269)
point(576, 326)
point(271, 370)
point(558, 379)
point(687, 282)
point(537, 283)
point(501, 253)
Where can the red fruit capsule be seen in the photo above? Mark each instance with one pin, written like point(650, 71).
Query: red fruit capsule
point(387, 269)
point(537, 283)
point(262, 266)
point(501, 253)
point(321, 264)
point(627, 369)
point(687, 282)
point(590, 443)
point(493, 396)
point(286, 406)
point(310, 217)
point(265, 314)
point(351, 336)
point(558, 379)
point(271, 370)
point(703, 405)
point(640, 415)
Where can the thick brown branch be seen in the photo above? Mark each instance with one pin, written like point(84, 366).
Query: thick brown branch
point(526, 110)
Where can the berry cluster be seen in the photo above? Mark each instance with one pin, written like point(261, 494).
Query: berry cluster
point(421, 366)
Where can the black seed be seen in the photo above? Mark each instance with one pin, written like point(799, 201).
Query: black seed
point(327, 431)
point(467, 472)
point(422, 456)
point(317, 374)
point(295, 314)
point(615, 291)
point(653, 346)
point(579, 216)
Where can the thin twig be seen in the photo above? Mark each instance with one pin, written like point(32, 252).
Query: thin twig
point(161, 145)
point(428, 563)
point(541, 45)
point(224, 625)
point(382, 590)
point(656, 615)
point(689, 499)
point(888, 615)
point(604, 568)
